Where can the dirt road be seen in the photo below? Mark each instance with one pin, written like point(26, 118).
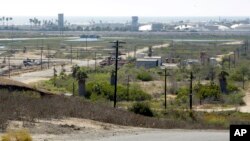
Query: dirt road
point(173, 135)
point(145, 49)
point(74, 129)
point(46, 74)
point(246, 108)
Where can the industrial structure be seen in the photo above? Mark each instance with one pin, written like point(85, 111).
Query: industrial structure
point(61, 22)
point(135, 24)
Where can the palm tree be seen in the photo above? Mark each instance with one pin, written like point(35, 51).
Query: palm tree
point(31, 21)
point(3, 19)
point(80, 75)
point(223, 81)
point(0, 19)
point(10, 18)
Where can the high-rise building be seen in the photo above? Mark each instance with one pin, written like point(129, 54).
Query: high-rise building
point(60, 22)
point(135, 24)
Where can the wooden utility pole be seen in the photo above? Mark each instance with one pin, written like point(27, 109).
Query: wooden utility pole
point(95, 62)
point(135, 49)
point(238, 53)
point(48, 56)
point(41, 58)
point(73, 89)
point(191, 92)
point(86, 43)
point(54, 70)
point(128, 80)
point(165, 89)
point(77, 54)
point(9, 66)
point(243, 80)
point(234, 59)
point(117, 45)
point(71, 56)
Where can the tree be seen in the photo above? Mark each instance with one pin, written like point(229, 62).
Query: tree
point(244, 71)
point(75, 69)
point(3, 19)
point(80, 75)
point(31, 21)
point(223, 81)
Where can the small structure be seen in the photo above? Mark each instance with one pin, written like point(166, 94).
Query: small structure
point(147, 63)
point(203, 57)
point(111, 60)
point(213, 61)
point(172, 60)
point(140, 55)
point(151, 27)
point(159, 59)
point(190, 62)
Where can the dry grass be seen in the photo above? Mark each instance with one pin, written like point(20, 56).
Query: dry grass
point(30, 108)
point(19, 135)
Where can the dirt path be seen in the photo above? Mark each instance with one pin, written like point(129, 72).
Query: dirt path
point(131, 53)
point(32, 77)
point(246, 108)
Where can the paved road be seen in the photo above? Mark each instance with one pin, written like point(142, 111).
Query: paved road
point(173, 135)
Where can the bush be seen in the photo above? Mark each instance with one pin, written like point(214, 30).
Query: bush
point(182, 95)
point(105, 90)
point(232, 88)
point(20, 135)
point(233, 99)
point(144, 76)
point(142, 109)
point(207, 91)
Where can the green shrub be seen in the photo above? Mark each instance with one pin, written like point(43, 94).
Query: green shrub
point(182, 95)
point(207, 91)
point(104, 89)
point(232, 88)
point(233, 99)
point(144, 76)
point(142, 108)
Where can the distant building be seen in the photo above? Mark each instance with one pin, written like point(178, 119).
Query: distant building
point(190, 62)
point(217, 27)
point(213, 61)
point(60, 22)
point(155, 57)
point(151, 27)
point(203, 57)
point(135, 24)
point(241, 27)
point(184, 27)
point(147, 63)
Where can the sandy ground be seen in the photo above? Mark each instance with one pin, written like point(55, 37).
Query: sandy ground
point(220, 57)
point(145, 49)
point(234, 43)
point(246, 108)
point(72, 129)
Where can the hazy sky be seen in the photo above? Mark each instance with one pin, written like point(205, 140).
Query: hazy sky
point(125, 7)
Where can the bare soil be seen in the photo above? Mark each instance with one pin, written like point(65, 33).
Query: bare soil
point(72, 129)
